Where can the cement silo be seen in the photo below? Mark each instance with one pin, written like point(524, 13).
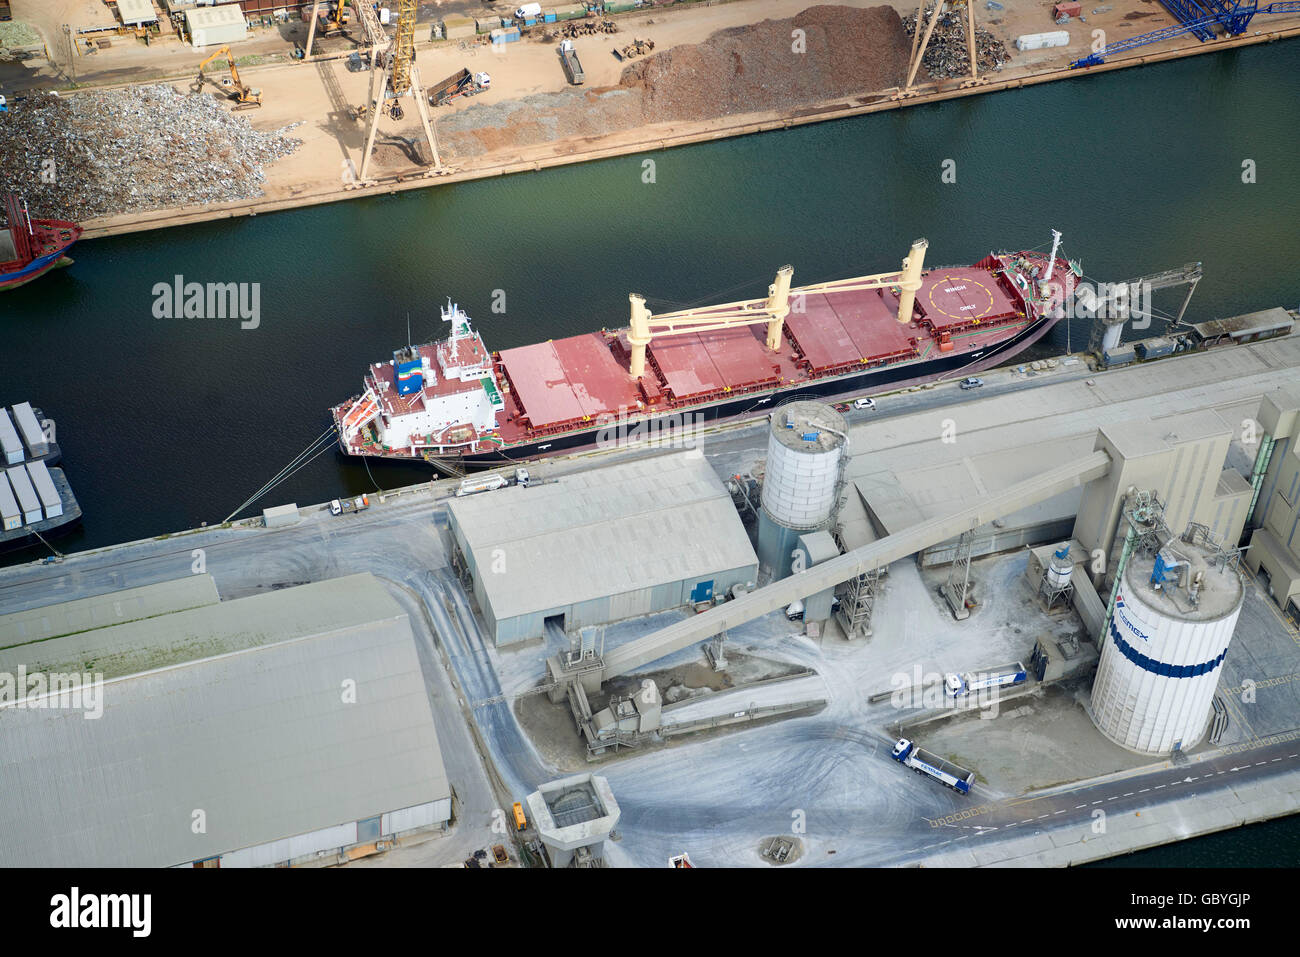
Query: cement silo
point(805, 457)
point(1173, 619)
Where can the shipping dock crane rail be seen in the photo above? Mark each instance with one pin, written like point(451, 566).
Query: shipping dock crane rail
point(1197, 17)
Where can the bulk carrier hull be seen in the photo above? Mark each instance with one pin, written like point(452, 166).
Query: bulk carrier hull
point(452, 402)
point(29, 248)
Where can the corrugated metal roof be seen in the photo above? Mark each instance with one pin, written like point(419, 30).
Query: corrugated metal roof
point(602, 532)
point(136, 11)
point(100, 611)
point(206, 18)
point(260, 739)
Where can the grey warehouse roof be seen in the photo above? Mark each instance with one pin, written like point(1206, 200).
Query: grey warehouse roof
point(247, 724)
point(602, 532)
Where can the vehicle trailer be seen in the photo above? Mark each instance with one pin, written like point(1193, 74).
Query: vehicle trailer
point(460, 83)
point(923, 762)
point(957, 685)
point(572, 66)
point(481, 483)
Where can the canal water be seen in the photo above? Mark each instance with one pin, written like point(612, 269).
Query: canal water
point(167, 423)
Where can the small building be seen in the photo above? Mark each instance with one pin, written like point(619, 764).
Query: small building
point(457, 27)
point(573, 817)
point(214, 26)
point(136, 13)
point(278, 516)
point(601, 545)
point(295, 724)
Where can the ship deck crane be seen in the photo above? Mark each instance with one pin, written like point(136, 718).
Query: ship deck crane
point(645, 326)
point(244, 96)
point(1234, 18)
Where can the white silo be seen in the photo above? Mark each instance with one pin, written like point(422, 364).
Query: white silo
point(1174, 616)
point(805, 453)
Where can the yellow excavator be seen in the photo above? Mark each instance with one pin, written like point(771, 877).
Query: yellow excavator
point(245, 97)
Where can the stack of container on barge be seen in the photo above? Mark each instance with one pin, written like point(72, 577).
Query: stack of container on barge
point(35, 498)
point(453, 400)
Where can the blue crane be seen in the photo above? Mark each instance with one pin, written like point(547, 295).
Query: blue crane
point(1198, 17)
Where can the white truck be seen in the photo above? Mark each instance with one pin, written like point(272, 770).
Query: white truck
point(481, 483)
point(957, 685)
point(923, 762)
point(529, 11)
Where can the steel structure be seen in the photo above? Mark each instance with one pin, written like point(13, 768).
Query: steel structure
point(919, 43)
point(1196, 19)
point(401, 77)
point(645, 326)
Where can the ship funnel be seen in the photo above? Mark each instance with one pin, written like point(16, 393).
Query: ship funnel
point(909, 280)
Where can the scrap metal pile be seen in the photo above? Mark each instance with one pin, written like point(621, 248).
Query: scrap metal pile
point(114, 151)
point(946, 56)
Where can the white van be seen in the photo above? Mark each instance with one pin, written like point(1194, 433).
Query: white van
point(794, 611)
point(529, 11)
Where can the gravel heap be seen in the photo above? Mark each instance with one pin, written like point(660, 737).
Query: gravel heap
point(148, 147)
point(753, 68)
point(747, 69)
point(945, 56)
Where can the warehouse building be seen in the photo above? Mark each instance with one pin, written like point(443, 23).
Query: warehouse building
point(286, 727)
point(136, 13)
point(601, 546)
point(213, 26)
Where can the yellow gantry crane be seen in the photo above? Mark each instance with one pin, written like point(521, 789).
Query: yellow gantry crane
point(401, 77)
point(245, 97)
point(645, 326)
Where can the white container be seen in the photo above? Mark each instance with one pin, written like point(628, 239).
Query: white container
point(1039, 41)
point(1160, 667)
point(799, 486)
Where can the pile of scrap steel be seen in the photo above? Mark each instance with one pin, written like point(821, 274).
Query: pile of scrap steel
point(946, 56)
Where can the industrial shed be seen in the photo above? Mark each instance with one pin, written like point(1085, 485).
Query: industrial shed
point(135, 13)
point(240, 709)
point(212, 26)
point(601, 545)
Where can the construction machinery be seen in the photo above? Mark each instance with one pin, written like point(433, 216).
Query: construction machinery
point(245, 97)
point(1233, 15)
point(401, 77)
point(921, 42)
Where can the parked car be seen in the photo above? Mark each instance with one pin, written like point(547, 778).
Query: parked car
point(974, 382)
point(865, 404)
point(336, 507)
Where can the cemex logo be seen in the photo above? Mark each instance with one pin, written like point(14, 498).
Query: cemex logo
point(76, 909)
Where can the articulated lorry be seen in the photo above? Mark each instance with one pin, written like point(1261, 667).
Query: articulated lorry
point(485, 482)
point(460, 83)
point(923, 762)
point(971, 681)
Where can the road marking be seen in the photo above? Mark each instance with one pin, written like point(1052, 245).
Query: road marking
point(1129, 794)
point(1144, 791)
point(1078, 807)
point(1158, 787)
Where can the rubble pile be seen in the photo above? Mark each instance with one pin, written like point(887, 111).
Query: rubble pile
point(114, 151)
point(946, 55)
point(821, 53)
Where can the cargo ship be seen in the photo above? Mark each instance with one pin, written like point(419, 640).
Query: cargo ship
point(454, 403)
point(29, 248)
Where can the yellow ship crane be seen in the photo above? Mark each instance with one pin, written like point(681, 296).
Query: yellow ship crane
point(645, 326)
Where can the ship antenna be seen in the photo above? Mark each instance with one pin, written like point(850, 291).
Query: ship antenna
point(408, 331)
